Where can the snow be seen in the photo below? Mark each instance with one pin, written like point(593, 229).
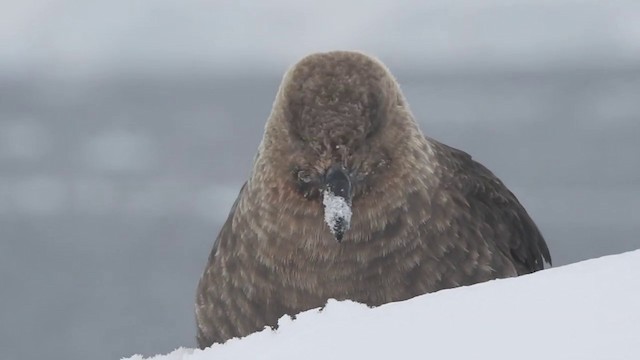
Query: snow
point(336, 209)
point(593, 304)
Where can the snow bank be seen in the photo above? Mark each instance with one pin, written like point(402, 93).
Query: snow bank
point(588, 310)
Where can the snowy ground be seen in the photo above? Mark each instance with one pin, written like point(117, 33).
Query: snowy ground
point(587, 310)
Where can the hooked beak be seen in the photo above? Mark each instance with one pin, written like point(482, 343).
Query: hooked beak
point(336, 199)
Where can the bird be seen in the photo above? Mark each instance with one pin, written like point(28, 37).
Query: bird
point(349, 200)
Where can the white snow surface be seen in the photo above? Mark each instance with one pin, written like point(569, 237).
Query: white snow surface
point(587, 310)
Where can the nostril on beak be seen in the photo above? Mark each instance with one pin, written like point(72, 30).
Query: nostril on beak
point(338, 183)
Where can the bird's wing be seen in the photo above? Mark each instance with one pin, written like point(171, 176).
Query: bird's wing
point(225, 232)
point(515, 233)
point(215, 299)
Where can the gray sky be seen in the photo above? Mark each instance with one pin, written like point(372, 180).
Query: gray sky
point(78, 37)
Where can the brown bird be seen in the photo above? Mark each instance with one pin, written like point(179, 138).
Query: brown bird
point(349, 200)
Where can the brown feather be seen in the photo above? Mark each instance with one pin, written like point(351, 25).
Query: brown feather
point(425, 216)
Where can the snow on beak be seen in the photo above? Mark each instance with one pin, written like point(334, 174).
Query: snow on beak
point(336, 199)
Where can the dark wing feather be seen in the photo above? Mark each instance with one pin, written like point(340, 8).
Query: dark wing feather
point(216, 308)
point(226, 228)
point(516, 235)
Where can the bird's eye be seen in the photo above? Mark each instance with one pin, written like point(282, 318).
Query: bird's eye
point(304, 176)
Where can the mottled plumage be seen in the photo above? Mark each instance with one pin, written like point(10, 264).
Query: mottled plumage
point(425, 216)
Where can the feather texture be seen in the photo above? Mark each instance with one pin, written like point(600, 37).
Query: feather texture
point(425, 216)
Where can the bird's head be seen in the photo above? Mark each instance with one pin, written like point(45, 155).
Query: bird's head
point(333, 131)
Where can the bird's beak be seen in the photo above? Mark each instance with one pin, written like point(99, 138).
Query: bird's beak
point(336, 198)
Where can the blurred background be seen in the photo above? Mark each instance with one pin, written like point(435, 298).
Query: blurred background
point(128, 127)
